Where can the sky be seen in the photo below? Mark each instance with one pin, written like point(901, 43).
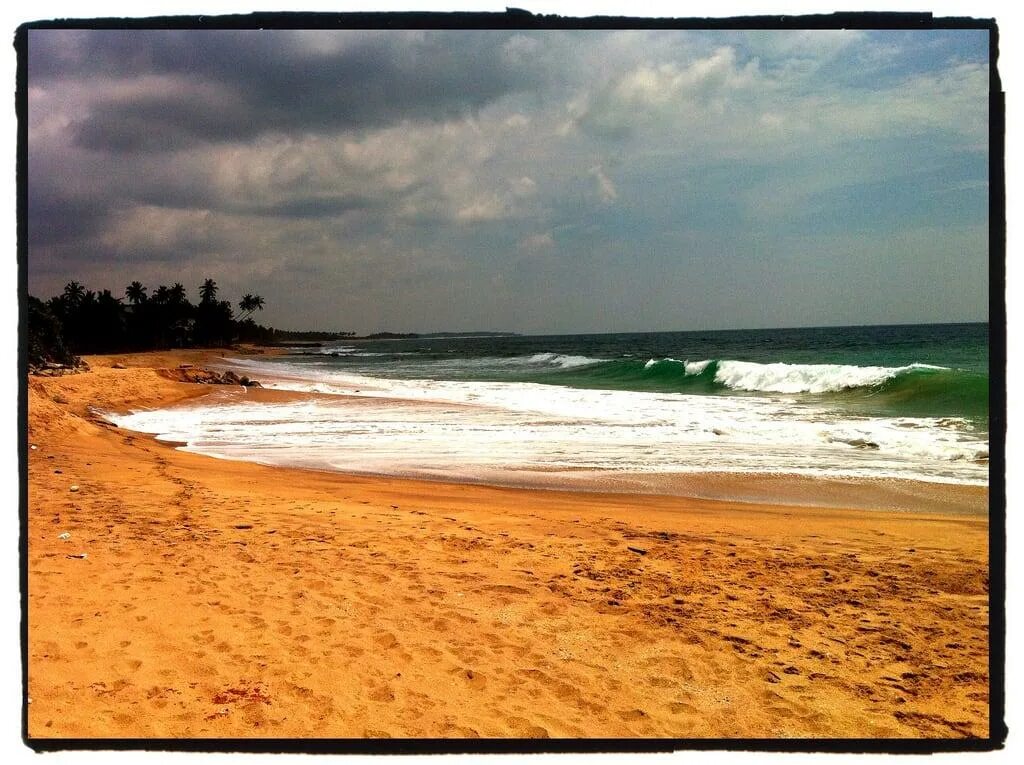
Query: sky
point(530, 181)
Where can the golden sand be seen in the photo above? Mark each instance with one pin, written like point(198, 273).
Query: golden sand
point(198, 597)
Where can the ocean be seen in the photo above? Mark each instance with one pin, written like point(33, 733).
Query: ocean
point(878, 402)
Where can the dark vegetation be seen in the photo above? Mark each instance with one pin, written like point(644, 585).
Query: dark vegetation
point(392, 336)
point(45, 338)
point(80, 321)
point(291, 337)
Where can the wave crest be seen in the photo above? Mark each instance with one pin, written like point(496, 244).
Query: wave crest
point(915, 388)
point(806, 378)
point(561, 360)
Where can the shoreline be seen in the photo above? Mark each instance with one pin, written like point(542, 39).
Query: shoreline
point(884, 494)
point(228, 598)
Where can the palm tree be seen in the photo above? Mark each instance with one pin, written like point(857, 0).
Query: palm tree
point(249, 304)
point(208, 292)
point(74, 293)
point(135, 293)
point(156, 328)
point(176, 294)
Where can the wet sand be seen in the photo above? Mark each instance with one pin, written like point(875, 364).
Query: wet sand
point(229, 599)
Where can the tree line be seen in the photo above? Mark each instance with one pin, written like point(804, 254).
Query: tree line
point(80, 321)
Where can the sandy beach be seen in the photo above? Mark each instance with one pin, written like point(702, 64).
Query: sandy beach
point(197, 597)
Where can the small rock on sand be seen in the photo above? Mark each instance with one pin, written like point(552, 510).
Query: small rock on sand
point(74, 487)
point(65, 536)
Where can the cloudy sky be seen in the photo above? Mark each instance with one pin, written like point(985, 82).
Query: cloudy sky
point(540, 181)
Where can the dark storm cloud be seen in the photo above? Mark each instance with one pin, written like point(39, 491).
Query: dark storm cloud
point(312, 207)
point(237, 84)
point(157, 122)
point(54, 219)
point(484, 176)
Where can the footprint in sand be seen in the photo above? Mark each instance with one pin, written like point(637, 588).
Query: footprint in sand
point(523, 728)
point(382, 693)
point(472, 678)
point(632, 714)
point(386, 640)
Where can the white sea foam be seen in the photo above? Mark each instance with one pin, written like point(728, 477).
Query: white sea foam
point(560, 360)
point(804, 378)
point(540, 360)
point(471, 430)
point(789, 378)
point(655, 362)
point(333, 350)
point(691, 368)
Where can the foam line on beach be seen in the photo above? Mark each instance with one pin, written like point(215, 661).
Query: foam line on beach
point(475, 431)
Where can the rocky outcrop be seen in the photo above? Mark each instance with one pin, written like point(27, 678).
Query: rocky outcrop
point(56, 370)
point(191, 374)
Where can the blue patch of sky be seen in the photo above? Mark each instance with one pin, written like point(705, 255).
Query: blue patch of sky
point(705, 196)
point(936, 187)
point(891, 57)
point(883, 58)
point(689, 197)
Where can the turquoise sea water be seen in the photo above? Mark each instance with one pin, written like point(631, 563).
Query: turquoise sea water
point(932, 369)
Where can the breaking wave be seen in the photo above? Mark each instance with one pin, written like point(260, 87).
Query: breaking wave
point(918, 388)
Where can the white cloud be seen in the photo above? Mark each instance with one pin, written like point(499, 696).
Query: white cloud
point(491, 207)
point(656, 93)
point(537, 243)
point(650, 114)
point(605, 188)
point(728, 105)
point(523, 187)
point(819, 44)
